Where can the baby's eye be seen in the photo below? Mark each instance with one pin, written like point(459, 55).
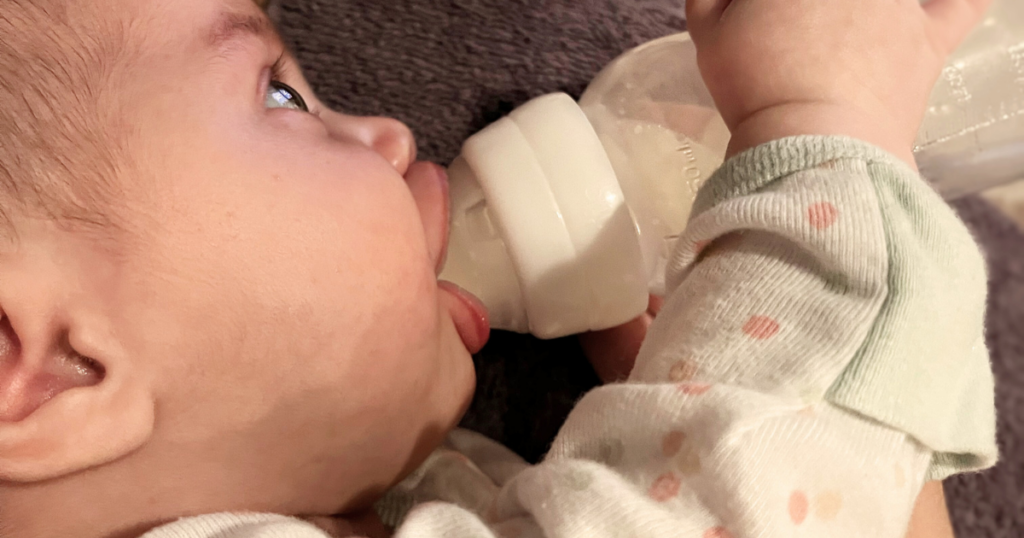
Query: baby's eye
point(281, 95)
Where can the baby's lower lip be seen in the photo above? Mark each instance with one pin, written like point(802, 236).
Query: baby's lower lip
point(470, 317)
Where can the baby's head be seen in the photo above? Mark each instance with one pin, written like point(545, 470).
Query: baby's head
point(211, 301)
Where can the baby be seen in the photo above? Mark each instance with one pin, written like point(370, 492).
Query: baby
point(221, 315)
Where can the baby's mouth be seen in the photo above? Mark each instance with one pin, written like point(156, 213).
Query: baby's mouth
point(428, 183)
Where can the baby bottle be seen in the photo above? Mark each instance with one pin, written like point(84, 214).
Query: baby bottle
point(563, 213)
point(972, 137)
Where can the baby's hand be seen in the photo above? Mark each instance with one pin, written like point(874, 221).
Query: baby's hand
point(612, 352)
point(861, 68)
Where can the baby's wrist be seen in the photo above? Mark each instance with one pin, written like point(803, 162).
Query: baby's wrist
point(796, 119)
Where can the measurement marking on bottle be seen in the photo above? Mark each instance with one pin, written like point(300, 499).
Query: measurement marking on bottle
point(973, 130)
point(954, 76)
point(1010, 108)
point(691, 171)
point(1017, 57)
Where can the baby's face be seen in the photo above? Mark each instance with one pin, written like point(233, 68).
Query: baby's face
point(281, 289)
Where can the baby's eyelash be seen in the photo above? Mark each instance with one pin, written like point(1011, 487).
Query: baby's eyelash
point(280, 70)
point(277, 71)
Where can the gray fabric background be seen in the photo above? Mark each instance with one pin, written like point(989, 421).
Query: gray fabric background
point(449, 67)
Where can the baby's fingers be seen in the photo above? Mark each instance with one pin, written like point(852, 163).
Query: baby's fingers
point(952, 20)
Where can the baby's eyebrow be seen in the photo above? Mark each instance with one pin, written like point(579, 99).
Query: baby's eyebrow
point(232, 26)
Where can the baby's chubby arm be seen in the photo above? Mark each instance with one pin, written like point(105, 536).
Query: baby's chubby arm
point(859, 68)
point(868, 76)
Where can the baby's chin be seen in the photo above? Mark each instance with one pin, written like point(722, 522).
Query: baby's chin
point(457, 383)
point(428, 415)
point(458, 371)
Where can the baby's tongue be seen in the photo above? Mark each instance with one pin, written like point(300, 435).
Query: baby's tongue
point(429, 185)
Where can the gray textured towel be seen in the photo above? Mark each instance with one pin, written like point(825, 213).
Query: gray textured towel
point(449, 67)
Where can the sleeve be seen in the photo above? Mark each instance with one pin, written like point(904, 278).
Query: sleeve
point(239, 525)
point(868, 265)
point(819, 357)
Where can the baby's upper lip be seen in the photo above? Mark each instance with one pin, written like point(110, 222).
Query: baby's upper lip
point(428, 183)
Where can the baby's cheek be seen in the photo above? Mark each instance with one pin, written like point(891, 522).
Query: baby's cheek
point(403, 303)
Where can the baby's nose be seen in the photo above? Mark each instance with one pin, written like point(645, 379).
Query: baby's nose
point(389, 137)
point(393, 140)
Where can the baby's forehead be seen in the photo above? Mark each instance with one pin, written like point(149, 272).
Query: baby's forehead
point(100, 64)
point(201, 23)
point(174, 44)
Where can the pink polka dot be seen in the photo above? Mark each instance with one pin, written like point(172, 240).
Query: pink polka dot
point(798, 506)
point(664, 488)
point(672, 443)
point(761, 327)
point(717, 532)
point(822, 215)
point(694, 389)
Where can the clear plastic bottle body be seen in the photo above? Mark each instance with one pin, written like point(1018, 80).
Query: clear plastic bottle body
point(664, 137)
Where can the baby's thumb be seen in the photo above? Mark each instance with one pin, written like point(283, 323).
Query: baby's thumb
point(952, 20)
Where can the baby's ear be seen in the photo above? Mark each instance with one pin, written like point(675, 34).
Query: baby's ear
point(60, 411)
